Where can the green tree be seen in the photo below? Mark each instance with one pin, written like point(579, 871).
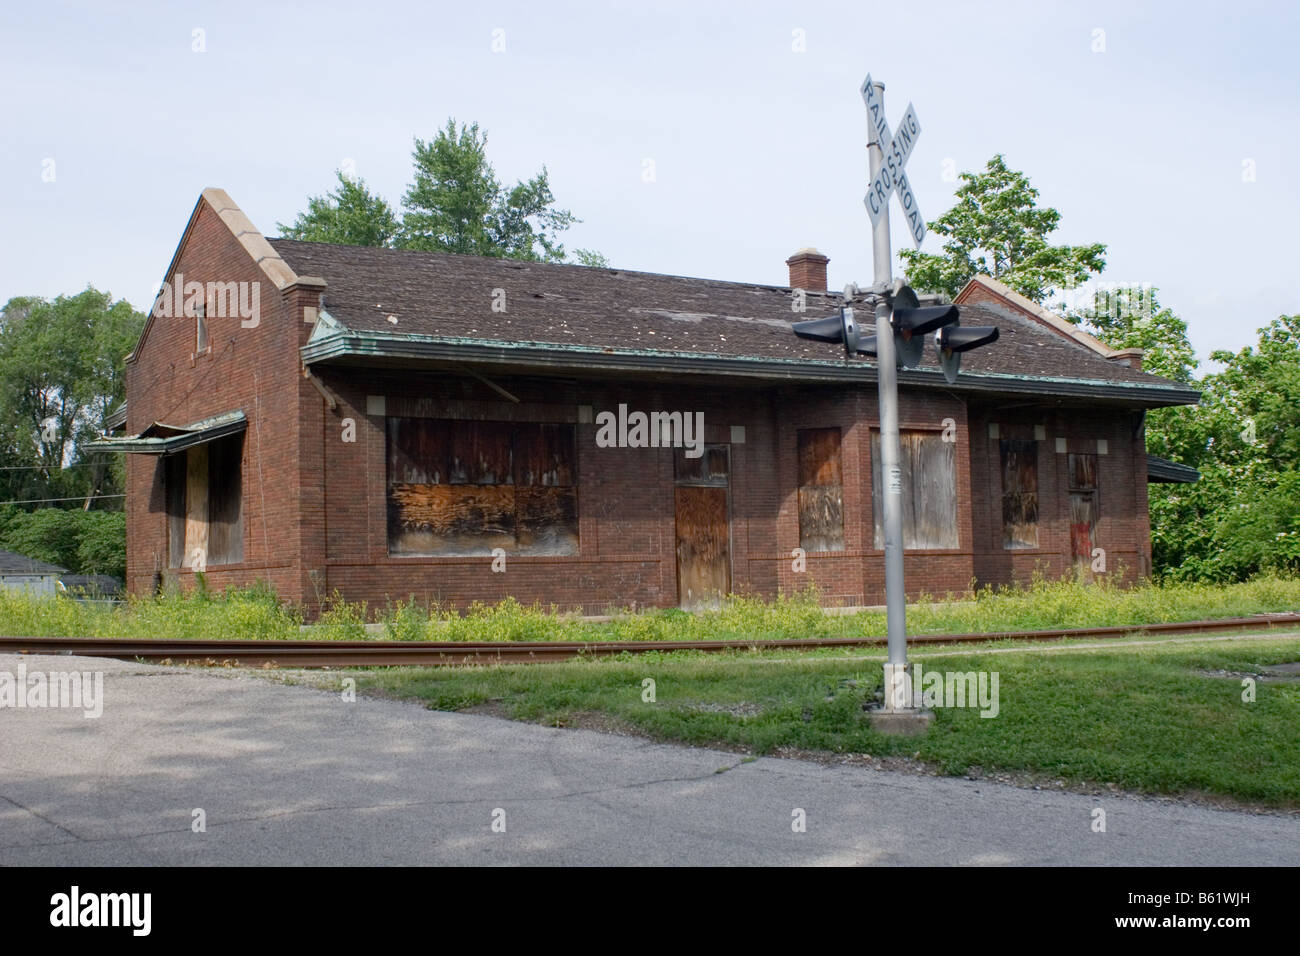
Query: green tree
point(457, 204)
point(589, 257)
point(996, 229)
point(61, 373)
point(47, 534)
point(101, 543)
point(1131, 317)
point(1243, 516)
point(83, 542)
point(350, 215)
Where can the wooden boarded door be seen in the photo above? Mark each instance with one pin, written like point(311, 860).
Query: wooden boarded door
point(703, 527)
point(1083, 511)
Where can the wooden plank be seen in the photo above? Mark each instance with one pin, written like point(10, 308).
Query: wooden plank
point(196, 506)
point(703, 546)
point(481, 453)
point(1083, 526)
point(933, 491)
point(710, 468)
point(174, 495)
point(819, 457)
point(821, 490)
point(688, 469)
point(419, 451)
point(821, 518)
point(1020, 521)
point(545, 455)
point(225, 501)
point(927, 465)
point(546, 520)
point(1019, 493)
point(1083, 472)
point(450, 519)
point(717, 461)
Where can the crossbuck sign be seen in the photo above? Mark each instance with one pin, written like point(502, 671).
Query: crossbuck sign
point(891, 177)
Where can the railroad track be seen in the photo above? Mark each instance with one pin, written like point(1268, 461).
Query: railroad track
point(293, 654)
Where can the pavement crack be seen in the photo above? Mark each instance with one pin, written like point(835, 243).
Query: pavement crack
point(42, 818)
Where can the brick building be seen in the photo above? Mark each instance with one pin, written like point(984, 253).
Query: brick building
point(391, 423)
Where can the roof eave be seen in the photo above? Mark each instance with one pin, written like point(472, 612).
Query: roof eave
point(222, 426)
point(338, 347)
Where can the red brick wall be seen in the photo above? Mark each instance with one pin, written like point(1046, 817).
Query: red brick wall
point(627, 543)
point(627, 549)
point(1123, 527)
point(314, 506)
point(252, 369)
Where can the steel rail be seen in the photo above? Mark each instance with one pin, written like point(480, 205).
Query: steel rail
point(312, 654)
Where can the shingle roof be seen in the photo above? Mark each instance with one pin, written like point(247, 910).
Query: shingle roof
point(13, 563)
point(390, 292)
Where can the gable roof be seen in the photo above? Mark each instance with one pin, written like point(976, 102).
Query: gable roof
point(391, 304)
point(1043, 316)
point(276, 270)
point(11, 562)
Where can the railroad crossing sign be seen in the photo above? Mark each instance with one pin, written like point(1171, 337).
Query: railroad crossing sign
point(902, 325)
point(891, 178)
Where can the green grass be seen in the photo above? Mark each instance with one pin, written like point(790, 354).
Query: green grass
point(1141, 718)
point(257, 614)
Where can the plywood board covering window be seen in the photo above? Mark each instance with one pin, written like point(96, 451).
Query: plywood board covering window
point(929, 482)
point(203, 489)
point(821, 490)
point(1019, 494)
point(468, 487)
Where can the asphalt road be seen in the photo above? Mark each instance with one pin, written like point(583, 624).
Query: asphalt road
point(293, 775)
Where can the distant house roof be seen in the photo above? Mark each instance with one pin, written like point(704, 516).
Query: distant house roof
point(13, 563)
point(402, 305)
point(1164, 470)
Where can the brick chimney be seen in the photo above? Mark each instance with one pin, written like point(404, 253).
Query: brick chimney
point(808, 270)
point(1130, 357)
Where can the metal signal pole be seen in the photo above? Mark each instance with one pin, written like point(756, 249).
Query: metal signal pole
point(898, 684)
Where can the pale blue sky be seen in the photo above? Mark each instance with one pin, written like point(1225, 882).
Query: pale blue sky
point(758, 149)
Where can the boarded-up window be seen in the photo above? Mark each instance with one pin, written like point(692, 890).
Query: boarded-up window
point(821, 490)
point(1019, 493)
point(467, 487)
point(710, 468)
point(203, 486)
point(1083, 507)
point(928, 467)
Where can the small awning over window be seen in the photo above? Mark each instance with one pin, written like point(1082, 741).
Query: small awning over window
point(1164, 470)
point(163, 439)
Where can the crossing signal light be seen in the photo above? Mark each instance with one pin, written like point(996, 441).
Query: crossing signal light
point(912, 323)
point(835, 328)
point(953, 340)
